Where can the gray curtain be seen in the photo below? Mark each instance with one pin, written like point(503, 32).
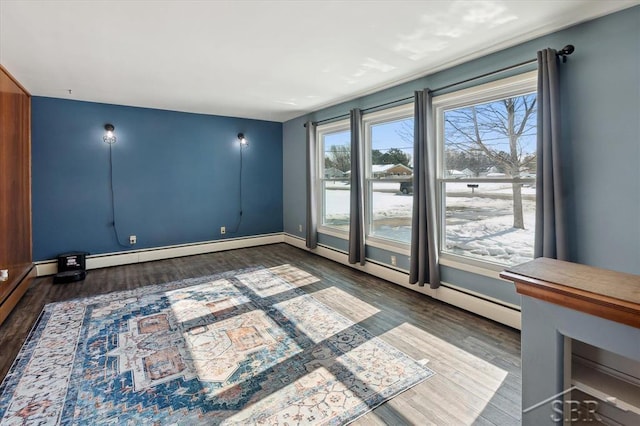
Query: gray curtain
point(356, 214)
point(424, 230)
point(550, 240)
point(312, 211)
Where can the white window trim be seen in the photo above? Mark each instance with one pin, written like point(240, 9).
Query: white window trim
point(390, 245)
point(378, 117)
point(469, 264)
point(512, 86)
point(336, 126)
point(516, 85)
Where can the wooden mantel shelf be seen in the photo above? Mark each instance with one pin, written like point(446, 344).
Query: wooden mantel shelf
point(607, 294)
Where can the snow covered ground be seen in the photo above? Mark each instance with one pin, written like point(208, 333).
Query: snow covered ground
point(479, 222)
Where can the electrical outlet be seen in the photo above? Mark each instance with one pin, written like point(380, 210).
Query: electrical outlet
point(133, 239)
point(223, 230)
point(394, 261)
point(300, 228)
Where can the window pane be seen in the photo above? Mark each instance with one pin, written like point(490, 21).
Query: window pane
point(391, 149)
point(335, 174)
point(480, 217)
point(493, 140)
point(336, 204)
point(337, 154)
point(491, 221)
point(390, 185)
point(391, 211)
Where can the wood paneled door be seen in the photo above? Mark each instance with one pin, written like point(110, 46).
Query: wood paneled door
point(15, 190)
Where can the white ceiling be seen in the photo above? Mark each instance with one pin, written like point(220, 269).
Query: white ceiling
point(271, 60)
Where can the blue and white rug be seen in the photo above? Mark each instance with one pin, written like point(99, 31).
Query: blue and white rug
point(244, 347)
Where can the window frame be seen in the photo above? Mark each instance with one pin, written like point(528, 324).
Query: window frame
point(521, 84)
point(321, 130)
point(396, 113)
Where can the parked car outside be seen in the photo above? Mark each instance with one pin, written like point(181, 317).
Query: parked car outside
point(406, 187)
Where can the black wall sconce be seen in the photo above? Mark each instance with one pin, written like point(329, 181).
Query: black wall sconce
point(109, 137)
point(242, 139)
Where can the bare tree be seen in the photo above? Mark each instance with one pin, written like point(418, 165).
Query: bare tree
point(497, 131)
point(406, 130)
point(339, 156)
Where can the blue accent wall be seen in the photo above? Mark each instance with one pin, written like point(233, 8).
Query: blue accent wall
point(175, 177)
point(601, 142)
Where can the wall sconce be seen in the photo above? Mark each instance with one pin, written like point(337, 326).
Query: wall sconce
point(242, 139)
point(109, 137)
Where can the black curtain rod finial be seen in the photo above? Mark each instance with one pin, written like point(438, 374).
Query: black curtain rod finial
point(566, 51)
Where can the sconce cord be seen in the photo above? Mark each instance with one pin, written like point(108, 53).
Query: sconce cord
point(237, 228)
point(113, 202)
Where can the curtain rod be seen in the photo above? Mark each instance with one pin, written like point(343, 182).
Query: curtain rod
point(363, 110)
point(564, 52)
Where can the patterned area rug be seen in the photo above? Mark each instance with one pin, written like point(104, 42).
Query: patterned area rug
point(245, 347)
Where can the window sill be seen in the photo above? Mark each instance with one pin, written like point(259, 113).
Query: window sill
point(333, 232)
point(391, 246)
point(474, 267)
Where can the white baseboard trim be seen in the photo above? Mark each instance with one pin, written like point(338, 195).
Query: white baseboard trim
point(447, 293)
point(50, 267)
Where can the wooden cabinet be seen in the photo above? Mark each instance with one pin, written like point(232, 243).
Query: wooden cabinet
point(15, 191)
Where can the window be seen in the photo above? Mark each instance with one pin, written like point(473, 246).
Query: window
point(334, 143)
point(486, 170)
point(389, 174)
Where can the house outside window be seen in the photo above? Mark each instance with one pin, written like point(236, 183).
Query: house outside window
point(334, 164)
point(486, 140)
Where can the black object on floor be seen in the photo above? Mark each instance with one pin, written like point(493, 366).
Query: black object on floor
point(72, 267)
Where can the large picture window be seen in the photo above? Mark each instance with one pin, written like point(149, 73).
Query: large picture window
point(487, 166)
point(334, 143)
point(389, 174)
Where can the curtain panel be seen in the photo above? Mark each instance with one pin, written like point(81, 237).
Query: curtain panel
point(356, 214)
point(424, 267)
point(312, 210)
point(550, 238)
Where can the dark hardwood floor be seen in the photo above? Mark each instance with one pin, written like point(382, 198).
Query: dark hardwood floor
point(477, 361)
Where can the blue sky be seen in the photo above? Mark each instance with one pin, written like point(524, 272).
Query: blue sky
point(385, 136)
point(399, 134)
